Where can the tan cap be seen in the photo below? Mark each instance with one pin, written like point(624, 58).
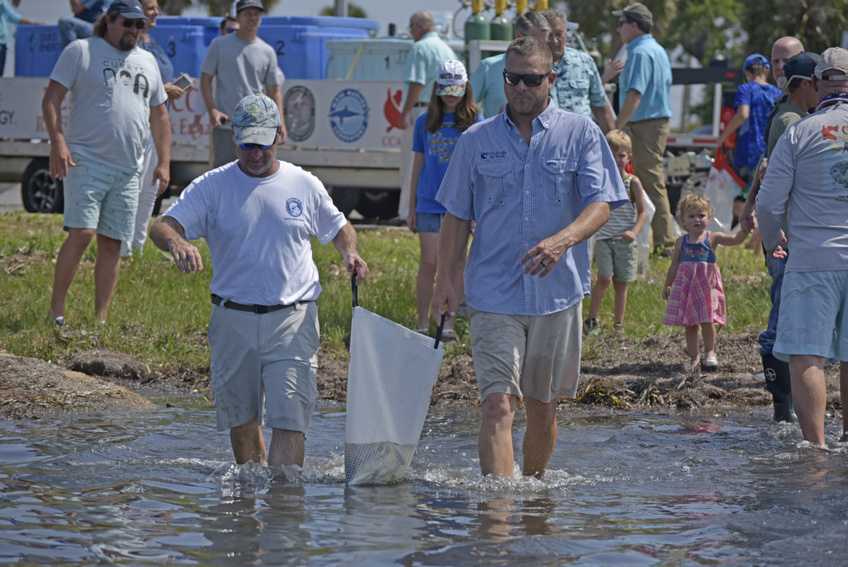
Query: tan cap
point(834, 58)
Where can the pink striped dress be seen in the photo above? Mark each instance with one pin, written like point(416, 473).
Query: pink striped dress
point(697, 295)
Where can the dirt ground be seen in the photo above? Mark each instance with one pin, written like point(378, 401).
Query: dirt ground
point(618, 373)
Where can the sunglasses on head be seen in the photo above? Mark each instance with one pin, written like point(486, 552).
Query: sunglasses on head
point(231, 30)
point(139, 24)
point(513, 79)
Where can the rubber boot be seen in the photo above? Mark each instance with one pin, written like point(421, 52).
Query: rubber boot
point(780, 386)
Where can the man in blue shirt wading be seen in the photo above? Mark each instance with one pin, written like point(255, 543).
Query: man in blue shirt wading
point(538, 181)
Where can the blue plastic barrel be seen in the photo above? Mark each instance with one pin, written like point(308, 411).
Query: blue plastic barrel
point(184, 46)
point(211, 26)
point(301, 43)
point(36, 50)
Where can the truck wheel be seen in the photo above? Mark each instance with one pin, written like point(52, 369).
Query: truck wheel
point(345, 198)
point(378, 204)
point(40, 191)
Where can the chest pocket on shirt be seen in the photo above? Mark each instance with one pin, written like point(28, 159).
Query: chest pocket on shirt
point(496, 175)
point(558, 179)
point(580, 84)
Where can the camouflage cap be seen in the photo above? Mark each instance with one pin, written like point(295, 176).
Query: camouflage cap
point(637, 12)
point(256, 120)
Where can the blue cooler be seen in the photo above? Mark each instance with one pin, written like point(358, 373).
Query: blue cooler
point(184, 47)
point(37, 48)
point(301, 42)
point(211, 26)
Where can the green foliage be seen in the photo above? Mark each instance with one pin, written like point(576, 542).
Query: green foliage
point(353, 11)
point(817, 23)
point(160, 314)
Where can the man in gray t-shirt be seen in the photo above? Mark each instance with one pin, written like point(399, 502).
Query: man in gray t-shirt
point(118, 100)
point(244, 65)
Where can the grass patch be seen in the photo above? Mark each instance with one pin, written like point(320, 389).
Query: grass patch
point(160, 315)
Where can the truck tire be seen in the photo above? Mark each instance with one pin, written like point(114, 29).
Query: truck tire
point(40, 191)
point(345, 198)
point(376, 204)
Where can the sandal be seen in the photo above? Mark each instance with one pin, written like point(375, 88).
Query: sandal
point(694, 366)
point(448, 335)
point(424, 330)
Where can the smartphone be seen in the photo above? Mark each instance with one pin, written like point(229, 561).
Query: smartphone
point(183, 81)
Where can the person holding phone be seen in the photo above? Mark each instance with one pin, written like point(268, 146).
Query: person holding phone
point(149, 190)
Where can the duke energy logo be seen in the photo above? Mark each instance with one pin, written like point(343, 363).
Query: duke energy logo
point(349, 115)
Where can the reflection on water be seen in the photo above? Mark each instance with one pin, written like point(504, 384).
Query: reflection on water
point(634, 489)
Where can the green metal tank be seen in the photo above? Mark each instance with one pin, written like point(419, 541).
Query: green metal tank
point(477, 26)
point(501, 27)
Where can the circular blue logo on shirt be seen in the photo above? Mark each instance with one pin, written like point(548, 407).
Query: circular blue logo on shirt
point(294, 207)
point(349, 115)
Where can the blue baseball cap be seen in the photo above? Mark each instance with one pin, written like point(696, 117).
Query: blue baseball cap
point(756, 59)
point(242, 4)
point(256, 120)
point(130, 9)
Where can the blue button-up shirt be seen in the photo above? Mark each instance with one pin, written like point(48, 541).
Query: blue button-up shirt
point(487, 83)
point(422, 66)
point(520, 194)
point(578, 85)
point(647, 71)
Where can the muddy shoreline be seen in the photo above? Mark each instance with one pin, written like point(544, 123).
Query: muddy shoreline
point(618, 373)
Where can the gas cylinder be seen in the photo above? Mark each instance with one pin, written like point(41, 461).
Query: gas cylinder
point(477, 26)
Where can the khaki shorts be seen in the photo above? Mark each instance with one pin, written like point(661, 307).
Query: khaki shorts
point(532, 356)
point(270, 358)
point(617, 258)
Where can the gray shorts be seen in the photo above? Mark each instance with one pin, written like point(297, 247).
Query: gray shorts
point(100, 197)
point(532, 356)
point(617, 258)
point(272, 358)
point(813, 316)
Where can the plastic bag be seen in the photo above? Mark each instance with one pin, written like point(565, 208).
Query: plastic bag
point(722, 188)
point(390, 380)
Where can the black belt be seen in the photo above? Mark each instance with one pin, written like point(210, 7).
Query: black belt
point(259, 309)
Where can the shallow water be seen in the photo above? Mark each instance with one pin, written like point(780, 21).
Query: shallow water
point(622, 489)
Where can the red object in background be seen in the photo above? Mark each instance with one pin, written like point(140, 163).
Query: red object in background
point(724, 119)
point(392, 108)
point(629, 168)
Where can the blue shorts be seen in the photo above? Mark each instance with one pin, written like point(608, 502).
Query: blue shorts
point(428, 222)
point(812, 318)
point(99, 197)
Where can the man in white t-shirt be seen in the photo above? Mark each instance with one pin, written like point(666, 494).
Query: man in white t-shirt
point(243, 65)
point(258, 216)
point(118, 100)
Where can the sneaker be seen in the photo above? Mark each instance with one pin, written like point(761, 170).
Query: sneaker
point(59, 321)
point(711, 361)
point(590, 326)
point(618, 327)
point(694, 366)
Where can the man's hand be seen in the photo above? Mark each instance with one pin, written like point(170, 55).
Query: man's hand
point(542, 258)
point(217, 118)
point(403, 122)
point(60, 160)
point(748, 217)
point(185, 255)
point(162, 175)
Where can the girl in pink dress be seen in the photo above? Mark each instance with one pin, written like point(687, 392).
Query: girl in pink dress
point(693, 285)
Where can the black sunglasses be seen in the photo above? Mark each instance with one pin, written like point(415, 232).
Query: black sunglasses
point(251, 147)
point(513, 79)
point(620, 23)
point(139, 24)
